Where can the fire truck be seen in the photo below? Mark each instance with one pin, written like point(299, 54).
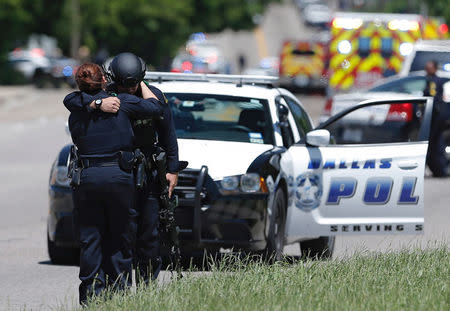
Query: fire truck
point(365, 47)
point(303, 64)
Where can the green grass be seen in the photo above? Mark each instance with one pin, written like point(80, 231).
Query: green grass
point(406, 280)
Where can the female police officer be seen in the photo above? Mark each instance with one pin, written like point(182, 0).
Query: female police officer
point(106, 192)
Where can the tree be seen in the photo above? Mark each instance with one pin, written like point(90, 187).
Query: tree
point(153, 29)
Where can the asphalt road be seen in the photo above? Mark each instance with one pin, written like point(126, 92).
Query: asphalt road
point(31, 133)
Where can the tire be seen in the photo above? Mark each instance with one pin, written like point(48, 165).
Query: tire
point(277, 225)
point(62, 255)
point(321, 248)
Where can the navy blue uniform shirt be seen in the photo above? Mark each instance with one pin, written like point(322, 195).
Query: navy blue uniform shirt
point(145, 135)
point(96, 133)
point(435, 88)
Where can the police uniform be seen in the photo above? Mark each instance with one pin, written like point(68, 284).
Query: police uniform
point(105, 198)
point(436, 159)
point(147, 131)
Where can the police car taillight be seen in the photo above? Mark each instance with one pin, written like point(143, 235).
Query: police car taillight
point(443, 28)
point(328, 107)
point(400, 112)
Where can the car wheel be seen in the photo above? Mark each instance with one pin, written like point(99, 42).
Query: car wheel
point(275, 238)
point(321, 248)
point(62, 255)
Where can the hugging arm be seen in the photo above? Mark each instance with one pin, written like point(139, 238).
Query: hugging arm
point(80, 101)
point(138, 108)
point(77, 101)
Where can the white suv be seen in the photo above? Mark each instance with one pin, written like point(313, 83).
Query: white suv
point(426, 50)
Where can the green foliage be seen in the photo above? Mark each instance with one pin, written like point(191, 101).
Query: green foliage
point(407, 280)
point(439, 8)
point(153, 29)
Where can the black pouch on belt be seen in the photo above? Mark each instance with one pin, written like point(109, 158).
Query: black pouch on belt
point(126, 161)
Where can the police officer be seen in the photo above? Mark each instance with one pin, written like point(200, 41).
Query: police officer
point(104, 195)
point(126, 71)
point(436, 159)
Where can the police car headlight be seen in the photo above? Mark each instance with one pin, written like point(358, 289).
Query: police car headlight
point(250, 182)
point(230, 183)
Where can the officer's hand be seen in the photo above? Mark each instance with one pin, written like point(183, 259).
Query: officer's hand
point(110, 104)
point(172, 178)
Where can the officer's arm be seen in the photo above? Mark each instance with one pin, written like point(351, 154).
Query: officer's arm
point(80, 101)
point(77, 101)
point(139, 108)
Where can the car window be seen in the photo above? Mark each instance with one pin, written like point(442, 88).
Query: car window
point(422, 57)
point(219, 117)
point(409, 85)
point(300, 117)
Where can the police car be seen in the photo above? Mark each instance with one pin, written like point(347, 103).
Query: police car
point(260, 175)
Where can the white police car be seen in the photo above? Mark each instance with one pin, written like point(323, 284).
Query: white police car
point(260, 176)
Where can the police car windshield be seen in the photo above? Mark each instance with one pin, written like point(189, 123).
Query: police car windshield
point(422, 57)
point(219, 117)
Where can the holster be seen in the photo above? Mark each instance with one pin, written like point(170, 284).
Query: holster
point(127, 161)
point(142, 167)
point(74, 169)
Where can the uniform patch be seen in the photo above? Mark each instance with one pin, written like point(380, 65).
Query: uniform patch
point(308, 191)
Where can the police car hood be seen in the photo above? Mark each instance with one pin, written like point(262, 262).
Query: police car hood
point(223, 158)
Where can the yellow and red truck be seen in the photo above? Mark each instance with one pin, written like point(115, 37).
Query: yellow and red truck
point(303, 64)
point(365, 47)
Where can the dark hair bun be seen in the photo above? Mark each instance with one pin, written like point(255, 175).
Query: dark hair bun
point(89, 77)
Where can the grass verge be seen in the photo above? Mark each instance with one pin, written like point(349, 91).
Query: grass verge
point(406, 280)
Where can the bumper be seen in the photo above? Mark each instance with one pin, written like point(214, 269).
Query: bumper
point(60, 218)
point(235, 221)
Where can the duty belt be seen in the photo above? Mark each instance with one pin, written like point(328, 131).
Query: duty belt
point(100, 162)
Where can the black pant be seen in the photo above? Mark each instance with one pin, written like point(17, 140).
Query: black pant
point(147, 256)
point(436, 158)
point(104, 212)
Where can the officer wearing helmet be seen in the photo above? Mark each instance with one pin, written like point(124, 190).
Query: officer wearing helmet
point(127, 71)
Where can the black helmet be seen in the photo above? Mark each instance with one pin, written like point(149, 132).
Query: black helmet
point(127, 69)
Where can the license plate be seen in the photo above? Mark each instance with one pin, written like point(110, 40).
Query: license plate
point(353, 135)
point(301, 80)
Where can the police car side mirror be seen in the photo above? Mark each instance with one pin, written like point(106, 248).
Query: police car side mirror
point(318, 138)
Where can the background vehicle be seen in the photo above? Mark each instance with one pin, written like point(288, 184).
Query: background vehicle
point(303, 64)
point(317, 15)
point(426, 50)
point(368, 46)
point(257, 177)
point(268, 66)
point(200, 56)
point(27, 61)
point(302, 4)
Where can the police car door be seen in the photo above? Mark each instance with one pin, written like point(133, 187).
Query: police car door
point(370, 181)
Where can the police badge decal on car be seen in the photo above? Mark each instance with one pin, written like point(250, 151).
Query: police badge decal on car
point(309, 191)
